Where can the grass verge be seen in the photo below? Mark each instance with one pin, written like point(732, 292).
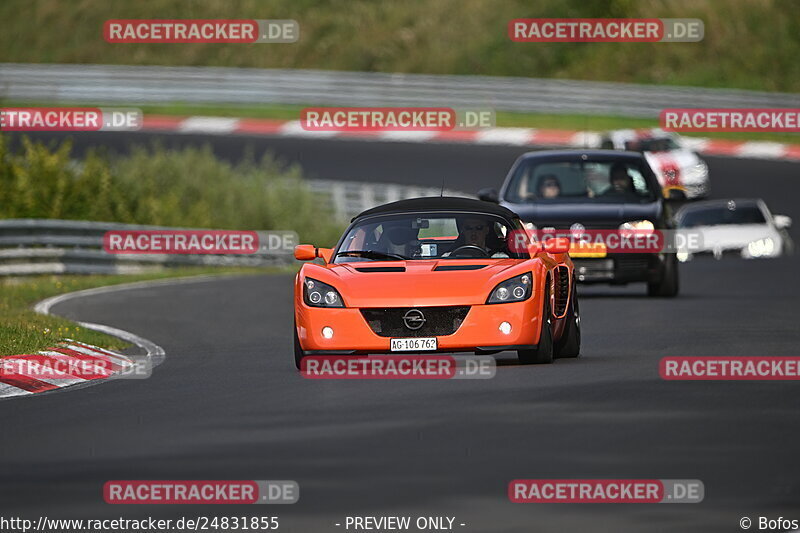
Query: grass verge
point(750, 44)
point(24, 331)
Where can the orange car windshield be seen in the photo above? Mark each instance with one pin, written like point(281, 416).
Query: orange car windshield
point(416, 236)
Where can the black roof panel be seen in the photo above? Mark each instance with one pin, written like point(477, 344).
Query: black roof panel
point(439, 203)
point(592, 153)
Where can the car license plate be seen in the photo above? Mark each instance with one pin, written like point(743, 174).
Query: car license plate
point(588, 250)
point(417, 344)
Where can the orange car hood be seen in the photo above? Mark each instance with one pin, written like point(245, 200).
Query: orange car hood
point(420, 285)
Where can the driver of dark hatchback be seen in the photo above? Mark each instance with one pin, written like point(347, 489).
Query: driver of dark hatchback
point(620, 181)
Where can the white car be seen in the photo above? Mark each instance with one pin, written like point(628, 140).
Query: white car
point(675, 164)
point(732, 228)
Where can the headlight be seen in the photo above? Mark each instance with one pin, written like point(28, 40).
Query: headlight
point(760, 248)
point(318, 294)
point(641, 225)
point(530, 226)
point(516, 289)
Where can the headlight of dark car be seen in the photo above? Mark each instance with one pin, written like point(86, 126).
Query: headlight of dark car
point(318, 294)
point(516, 289)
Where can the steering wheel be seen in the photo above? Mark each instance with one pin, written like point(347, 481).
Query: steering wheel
point(473, 249)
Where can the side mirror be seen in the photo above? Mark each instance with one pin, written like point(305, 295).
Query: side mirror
point(782, 221)
point(309, 252)
point(675, 195)
point(305, 252)
point(489, 195)
point(558, 245)
point(534, 248)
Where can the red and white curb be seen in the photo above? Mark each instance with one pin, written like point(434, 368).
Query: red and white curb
point(70, 363)
point(138, 365)
point(492, 136)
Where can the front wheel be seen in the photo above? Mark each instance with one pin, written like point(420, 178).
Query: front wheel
point(543, 353)
point(667, 286)
point(569, 345)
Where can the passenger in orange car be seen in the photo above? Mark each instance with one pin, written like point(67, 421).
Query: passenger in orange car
point(400, 238)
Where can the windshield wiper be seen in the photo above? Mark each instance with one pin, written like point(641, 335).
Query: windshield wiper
point(373, 254)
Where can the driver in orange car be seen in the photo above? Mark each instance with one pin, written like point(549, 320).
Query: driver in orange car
point(473, 231)
point(476, 232)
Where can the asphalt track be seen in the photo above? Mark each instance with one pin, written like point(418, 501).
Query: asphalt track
point(227, 403)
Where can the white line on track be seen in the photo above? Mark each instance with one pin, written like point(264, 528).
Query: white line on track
point(154, 353)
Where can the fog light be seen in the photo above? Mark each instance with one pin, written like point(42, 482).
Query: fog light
point(505, 328)
point(327, 332)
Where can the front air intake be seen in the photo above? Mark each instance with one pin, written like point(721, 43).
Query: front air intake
point(381, 269)
point(561, 290)
point(451, 268)
point(415, 321)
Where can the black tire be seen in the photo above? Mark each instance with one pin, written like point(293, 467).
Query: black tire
point(668, 285)
point(298, 351)
point(569, 345)
point(543, 353)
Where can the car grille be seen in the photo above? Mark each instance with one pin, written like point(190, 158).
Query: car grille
point(727, 253)
point(632, 264)
point(388, 322)
point(594, 269)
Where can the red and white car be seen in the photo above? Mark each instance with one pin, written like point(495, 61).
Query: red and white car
point(675, 164)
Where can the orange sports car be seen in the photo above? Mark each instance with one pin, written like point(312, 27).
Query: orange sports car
point(433, 275)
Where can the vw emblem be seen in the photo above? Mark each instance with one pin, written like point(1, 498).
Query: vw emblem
point(577, 229)
point(414, 319)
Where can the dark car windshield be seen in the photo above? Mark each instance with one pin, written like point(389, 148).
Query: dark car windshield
point(716, 216)
point(621, 181)
point(419, 236)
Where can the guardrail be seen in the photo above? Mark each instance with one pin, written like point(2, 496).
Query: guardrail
point(51, 246)
point(116, 84)
point(349, 198)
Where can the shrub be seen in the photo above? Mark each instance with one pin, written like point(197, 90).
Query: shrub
point(189, 187)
